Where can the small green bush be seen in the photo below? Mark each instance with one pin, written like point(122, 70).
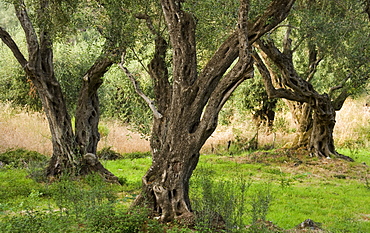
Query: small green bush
point(219, 204)
point(136, 220)
point(137, 155)
point(21, 158)
point(108, 154)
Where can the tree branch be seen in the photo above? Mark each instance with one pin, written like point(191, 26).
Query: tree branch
point(8, 40)
point(158, 71)
point(275, 13)
point(149, 23)
point(224, 57)
point(138, 90)
point(270, 89)
point(285, 64)
point(31, 37)
point(181, 25)
point(339, 86)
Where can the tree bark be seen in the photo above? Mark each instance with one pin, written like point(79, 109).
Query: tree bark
point(71, 155)
point(292, 87)
point(88, 115)
point(302, 115)
point(189, 104)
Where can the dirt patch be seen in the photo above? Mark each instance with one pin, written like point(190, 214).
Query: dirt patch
point(298, 162)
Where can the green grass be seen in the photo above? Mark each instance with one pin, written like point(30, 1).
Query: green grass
point(341, 205)
point(332, 192)
point(359, 155)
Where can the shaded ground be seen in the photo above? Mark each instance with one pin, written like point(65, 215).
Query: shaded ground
point(298, 162)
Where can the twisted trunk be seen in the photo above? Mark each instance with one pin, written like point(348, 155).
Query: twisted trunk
point(291, 86)
point(70, 155)
point(187, 107)
point(302, 115)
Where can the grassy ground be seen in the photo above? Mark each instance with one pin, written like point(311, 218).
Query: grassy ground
point(292, 186)
point(279, 185)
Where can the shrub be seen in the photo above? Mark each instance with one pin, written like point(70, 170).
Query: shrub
point(135, 220)
point(108, 154)
point(136, 155)
point(21, 158)
point(218, 203)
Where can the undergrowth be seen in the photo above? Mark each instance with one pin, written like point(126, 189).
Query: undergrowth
point(251, 192)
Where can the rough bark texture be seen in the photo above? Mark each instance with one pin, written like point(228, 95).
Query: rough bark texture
point(88, 114)
point(291, 86)
point(69, 155)
point(302, 115)
point(190, 103)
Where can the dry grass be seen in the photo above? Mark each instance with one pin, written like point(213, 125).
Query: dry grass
point(122, 140)
point(353, 123)
point(25, 129)
point(29, 130)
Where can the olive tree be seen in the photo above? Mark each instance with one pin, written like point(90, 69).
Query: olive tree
point(42, 21)
point(333, 46)
point(188, 98)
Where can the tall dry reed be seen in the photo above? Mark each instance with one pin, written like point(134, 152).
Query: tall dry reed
point(21, 128)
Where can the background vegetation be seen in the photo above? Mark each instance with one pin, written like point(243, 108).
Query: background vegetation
point(262, 183)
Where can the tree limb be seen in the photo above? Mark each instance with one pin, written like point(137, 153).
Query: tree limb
point(138, 90)
point(181, 25)
point(31, 37)
point(339, 86)
point(158, 71)
point(267, 81)
point(224, 57)
point(8, 40)
point(149, 23)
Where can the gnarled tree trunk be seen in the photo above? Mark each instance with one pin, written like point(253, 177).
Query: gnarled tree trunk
point(187, 107)
point(70, 156)
point(302, 115)
point(88, 114)
point(292, 87)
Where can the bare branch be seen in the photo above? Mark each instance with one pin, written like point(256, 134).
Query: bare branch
point(31, 37)
point(8, 40)
point(139, 60)
point(138, 90)
point(149, 23)
point(270, 89)
point(339, 86)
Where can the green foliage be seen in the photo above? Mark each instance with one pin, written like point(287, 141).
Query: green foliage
point(218, 203)
point(108, 154)
point(21, 158)
point(82, 206)
point(260, 203)
point(136, 220)
point(232, 184)
point(14, 85)
point(73, 57)
point(340, 32)
point(16, 188)
point(137, 155)
point(75, 198)
point(120, 101)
